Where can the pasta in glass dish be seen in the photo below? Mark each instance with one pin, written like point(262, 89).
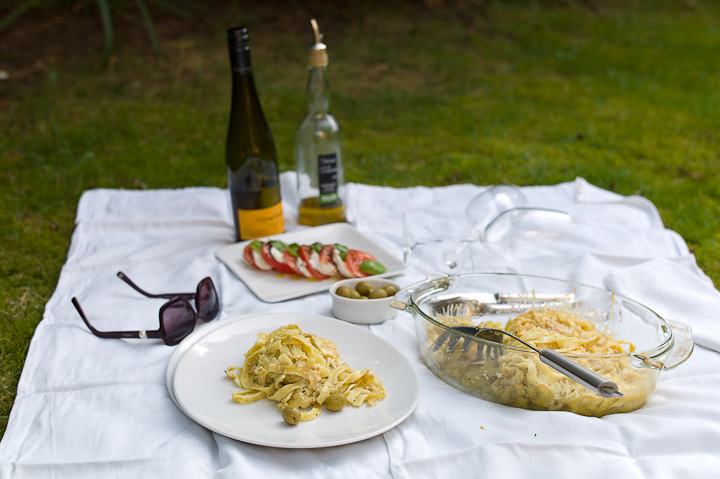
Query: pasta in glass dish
point(620, 339)
point(518, 378)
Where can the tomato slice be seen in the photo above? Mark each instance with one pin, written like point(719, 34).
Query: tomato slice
point(277, 266)
point(354, 258)
point(248, 256)
point(305, 253)
point(326, 257)
point(291, 262)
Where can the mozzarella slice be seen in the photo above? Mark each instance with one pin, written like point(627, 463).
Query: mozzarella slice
point(260, 261)
point(302, 266)
point(277, 255)
point(341, 265)
point(326, 269)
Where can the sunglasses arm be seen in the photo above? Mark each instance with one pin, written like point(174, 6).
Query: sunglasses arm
point(114, 334)
point(137, 288)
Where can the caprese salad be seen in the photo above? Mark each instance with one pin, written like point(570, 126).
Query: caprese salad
point(318, 261)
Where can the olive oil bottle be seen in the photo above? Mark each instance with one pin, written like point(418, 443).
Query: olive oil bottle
point(251, 158)
point(319, 158)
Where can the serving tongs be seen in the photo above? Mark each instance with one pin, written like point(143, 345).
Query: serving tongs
point(479, 304)
point(578, 373)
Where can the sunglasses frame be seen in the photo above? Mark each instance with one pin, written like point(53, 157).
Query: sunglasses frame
point(174, 299)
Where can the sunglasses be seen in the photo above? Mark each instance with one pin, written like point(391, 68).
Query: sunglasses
point(177, 316)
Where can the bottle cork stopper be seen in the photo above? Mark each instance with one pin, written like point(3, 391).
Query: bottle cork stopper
point(318, 52)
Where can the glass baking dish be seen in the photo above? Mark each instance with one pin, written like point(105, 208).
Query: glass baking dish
point(513, 375)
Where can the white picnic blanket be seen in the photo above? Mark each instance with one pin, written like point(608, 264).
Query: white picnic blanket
point(88, 407)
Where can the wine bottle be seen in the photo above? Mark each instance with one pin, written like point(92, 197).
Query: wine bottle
point(319, 148)
point(251, 158)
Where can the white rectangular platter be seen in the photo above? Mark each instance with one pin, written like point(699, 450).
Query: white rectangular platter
point(273, 287)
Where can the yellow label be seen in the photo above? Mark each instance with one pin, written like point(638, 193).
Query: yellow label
point(263, 222)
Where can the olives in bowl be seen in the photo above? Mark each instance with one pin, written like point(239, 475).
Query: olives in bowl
point(363, 290)
point(363, 300)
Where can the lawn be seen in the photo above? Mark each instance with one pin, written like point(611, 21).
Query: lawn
point(625, 95)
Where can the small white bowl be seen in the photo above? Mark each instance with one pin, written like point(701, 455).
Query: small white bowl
point(363, 311)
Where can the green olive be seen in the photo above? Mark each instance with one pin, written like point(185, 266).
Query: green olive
point(363, 288)
point(363, 297)
point(378, 293)
point(343, 291)
point(390, 289)
point(335, 402)
point(291, 415)
point(354, 294)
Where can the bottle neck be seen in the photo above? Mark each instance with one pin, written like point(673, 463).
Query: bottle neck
point(240, 60)
point(318, 91)
point(246, 116)
point(243, 87)
point(243, 84)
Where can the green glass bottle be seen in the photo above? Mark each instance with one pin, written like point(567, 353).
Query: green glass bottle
point(251, 158)
point(319, 158)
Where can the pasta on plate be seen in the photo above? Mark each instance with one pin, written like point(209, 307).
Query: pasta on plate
point(302, 371)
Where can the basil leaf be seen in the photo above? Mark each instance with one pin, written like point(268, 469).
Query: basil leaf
point(256, 246)
point(278, 245)
point(317, 247)
point(342, 249)
point(293, 249)
point(372, 267)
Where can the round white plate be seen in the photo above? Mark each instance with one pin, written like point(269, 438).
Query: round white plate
point(204, 392)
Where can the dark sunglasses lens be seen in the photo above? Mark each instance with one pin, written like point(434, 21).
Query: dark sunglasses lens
point(207, 300)
point(178, 321)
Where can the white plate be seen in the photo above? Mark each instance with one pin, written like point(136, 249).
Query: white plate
point(272, 287)
point(204, 392)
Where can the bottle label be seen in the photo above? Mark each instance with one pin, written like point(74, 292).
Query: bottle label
point(328, 182)
point(262, 222)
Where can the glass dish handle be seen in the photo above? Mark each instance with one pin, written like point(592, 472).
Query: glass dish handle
point(683, 346)
point(680, 351)
point(401, 300)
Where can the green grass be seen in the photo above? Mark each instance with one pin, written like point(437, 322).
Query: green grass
point(626, 96)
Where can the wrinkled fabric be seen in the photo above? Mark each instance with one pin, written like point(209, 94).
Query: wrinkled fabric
point(88, 407)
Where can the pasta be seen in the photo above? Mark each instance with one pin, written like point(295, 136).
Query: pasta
point(520, 379)
point(301, 371)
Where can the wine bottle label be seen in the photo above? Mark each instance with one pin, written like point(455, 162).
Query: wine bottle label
point(262, 222)
point(328, 172)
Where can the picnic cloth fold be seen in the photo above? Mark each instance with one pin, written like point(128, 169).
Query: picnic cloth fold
point(90, 407)
point(687, 294)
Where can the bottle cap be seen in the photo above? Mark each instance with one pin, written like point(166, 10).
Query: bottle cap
point(239, 46)
point(318, 52)
point(238, 39)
